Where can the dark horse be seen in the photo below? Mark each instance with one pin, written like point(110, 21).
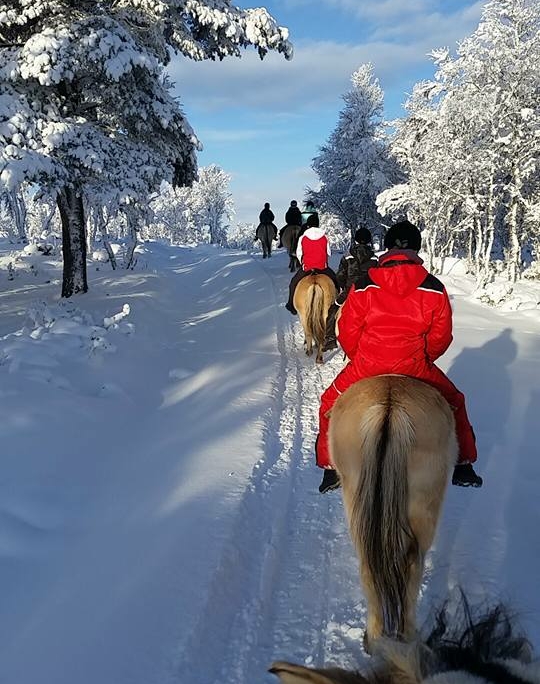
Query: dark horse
point(290, 242)
point(266, 232)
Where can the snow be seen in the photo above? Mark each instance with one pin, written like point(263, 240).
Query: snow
point(159, 514)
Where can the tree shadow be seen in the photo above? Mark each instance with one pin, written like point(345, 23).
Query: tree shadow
point(482, 375)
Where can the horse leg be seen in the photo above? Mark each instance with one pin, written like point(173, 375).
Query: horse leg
point(374, 627)
point(308, 342)
point(423, 525)
point(319, 357)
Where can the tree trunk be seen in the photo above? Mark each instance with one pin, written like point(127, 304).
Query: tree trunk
point(132, 221)
point(18, 211)
point(70, 205)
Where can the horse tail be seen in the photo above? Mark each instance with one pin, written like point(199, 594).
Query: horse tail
point(379, 519)
point(315, 313)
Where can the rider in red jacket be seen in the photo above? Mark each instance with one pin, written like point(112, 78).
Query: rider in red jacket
point(398, 319)
point(313, 251)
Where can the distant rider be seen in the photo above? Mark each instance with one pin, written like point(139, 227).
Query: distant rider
point(312, 252)
point(352, 267)
point(293, 217)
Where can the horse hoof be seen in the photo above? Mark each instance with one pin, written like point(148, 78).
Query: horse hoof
point(320, 361)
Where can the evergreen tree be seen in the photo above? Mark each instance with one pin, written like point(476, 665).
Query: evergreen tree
point(354, 165)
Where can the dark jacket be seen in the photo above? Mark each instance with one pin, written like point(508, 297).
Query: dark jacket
point(293, 217)
point(354, 265)
point(266, 216)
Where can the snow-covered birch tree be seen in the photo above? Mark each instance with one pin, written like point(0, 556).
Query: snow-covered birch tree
point(85, 105)
point(354, 165)
point(471, 144)
point(212, 203)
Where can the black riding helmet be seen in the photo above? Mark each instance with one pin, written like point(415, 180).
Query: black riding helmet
point(403, 235)
point(363, 236)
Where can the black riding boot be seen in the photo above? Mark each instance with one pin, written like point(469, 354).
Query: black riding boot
point(464, 476)
point(330, 481)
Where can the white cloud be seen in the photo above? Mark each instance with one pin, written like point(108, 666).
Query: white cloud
point(320, 71)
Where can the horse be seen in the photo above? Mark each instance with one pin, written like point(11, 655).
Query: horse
point(464, 646)
point(392, 440)
point(312, 298)
point(266, 232)
point(289, 239)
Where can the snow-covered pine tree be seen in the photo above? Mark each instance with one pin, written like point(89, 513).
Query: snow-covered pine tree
point(354, 165)
point(85, 106)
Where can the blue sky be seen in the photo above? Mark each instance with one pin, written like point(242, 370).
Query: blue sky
point(263, 121)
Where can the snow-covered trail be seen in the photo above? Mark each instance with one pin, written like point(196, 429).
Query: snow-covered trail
point(159, 513)
point(304, 601)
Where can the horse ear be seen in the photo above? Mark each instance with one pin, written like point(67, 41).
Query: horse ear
point(296, 674)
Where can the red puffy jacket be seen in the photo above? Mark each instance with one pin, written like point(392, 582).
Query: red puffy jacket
point(397, 317)
point(313, 249)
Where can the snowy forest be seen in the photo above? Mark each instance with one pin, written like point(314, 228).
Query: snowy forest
point(159, 515)
point(79, 164)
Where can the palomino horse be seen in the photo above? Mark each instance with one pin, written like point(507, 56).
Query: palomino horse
point(392, 440)
point(290, 242)
point(312, 298)
point(464, 647)
point(266, 232)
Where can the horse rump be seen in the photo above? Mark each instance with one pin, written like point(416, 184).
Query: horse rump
point(312, 298)
point(392, 440)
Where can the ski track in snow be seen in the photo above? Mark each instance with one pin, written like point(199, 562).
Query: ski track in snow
point(289, 568)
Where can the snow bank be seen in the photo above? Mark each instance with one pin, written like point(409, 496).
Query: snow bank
point(55, 333)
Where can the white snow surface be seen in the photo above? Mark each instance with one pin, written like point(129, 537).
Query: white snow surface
point(159, 514)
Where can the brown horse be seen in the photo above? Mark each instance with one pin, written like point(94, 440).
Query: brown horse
point(289, 239)
point(312, 298)
point(464, 646)
point(392, 440)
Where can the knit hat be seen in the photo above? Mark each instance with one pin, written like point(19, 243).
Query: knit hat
point(403, 235)
point(363, 236)
point(293, 203)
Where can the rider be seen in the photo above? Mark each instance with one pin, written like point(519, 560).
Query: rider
point(352, 267)
point(398, 319)
point(293, 217)
point(309, 211)
point(312, 252)
point(266, 215)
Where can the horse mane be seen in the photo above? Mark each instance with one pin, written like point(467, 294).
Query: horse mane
point(460, 639)
point(469, 639)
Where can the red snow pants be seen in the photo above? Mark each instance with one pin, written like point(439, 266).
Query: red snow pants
point(428, 373)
